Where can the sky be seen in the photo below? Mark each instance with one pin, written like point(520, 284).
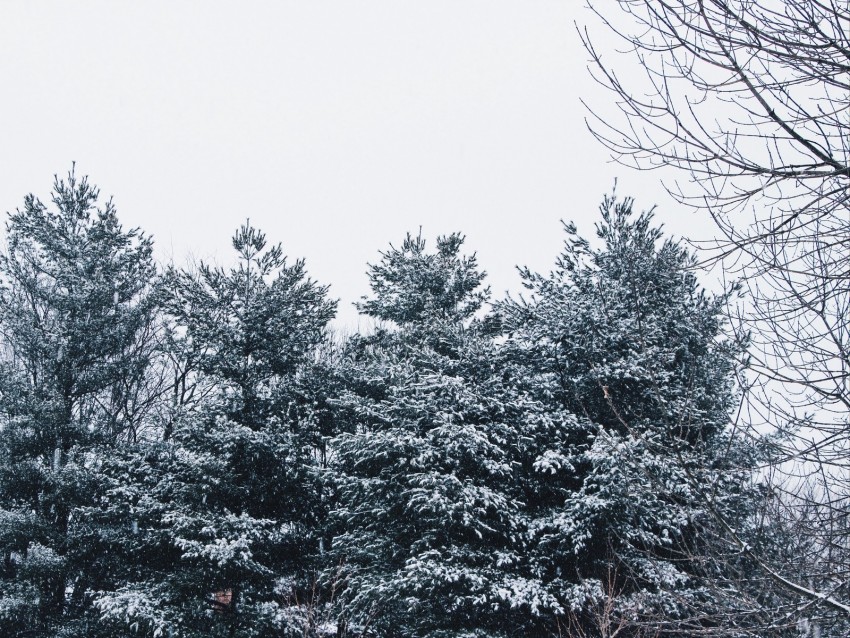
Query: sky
point(335, 126)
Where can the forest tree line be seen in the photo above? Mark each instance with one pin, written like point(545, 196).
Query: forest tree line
point(194, 452)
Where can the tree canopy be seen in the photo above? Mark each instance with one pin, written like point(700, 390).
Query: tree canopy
point(194, 453)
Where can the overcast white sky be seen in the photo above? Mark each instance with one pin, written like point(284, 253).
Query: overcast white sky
point(335, 126)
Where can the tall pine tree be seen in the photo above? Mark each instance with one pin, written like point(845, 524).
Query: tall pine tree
point(78, 319)
point(224, 513)
point(431, 529)
point(623, 337)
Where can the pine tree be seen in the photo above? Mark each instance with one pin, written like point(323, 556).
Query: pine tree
point(225, 511)
point(623, 337)
point(78, 315)
point(430, 524)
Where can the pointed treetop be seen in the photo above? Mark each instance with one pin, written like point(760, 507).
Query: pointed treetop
point(410, 285)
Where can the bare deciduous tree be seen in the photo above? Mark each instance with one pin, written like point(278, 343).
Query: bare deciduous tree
point(750, 100)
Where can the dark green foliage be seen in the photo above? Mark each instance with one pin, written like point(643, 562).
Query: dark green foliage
point(623, 337)
point(228, 506)
point(412, 286)
point(254, 325)
point(185, 456)
point(429, 509)
point(78, 319)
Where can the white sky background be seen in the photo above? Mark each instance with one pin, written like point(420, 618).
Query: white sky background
point(336, 126)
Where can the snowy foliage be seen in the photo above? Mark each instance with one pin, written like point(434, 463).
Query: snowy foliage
point(425, 474)
point(77, 313)
point(229, 501)
point(191, 455)
point(622, 337)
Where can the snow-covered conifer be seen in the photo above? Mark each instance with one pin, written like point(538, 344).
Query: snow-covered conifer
point(622, 336)
point(222, 516)
point(78, 309)
point(428, 506)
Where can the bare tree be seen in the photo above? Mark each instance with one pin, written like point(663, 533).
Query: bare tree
point(750, 100)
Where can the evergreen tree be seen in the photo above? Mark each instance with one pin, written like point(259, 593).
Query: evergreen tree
point(430, 523)
point(78, 319)
point(623, 336)
point(225, 511)
point(563, 465)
